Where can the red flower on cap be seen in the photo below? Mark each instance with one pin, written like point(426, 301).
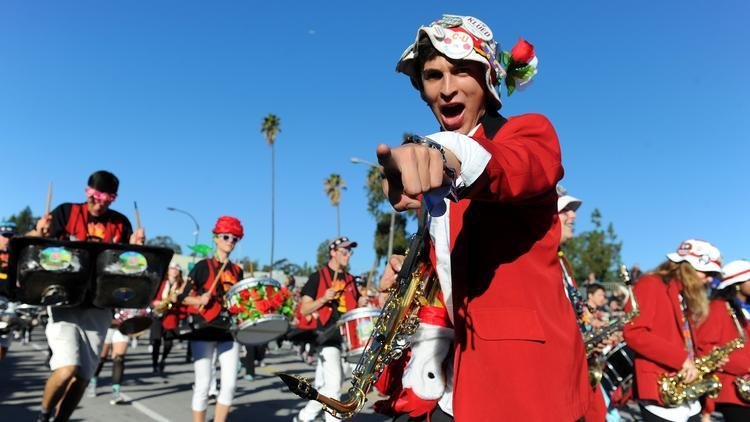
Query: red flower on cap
point(231, 225)
point(522, 52)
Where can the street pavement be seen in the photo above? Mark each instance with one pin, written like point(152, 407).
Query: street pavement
point(151, 397)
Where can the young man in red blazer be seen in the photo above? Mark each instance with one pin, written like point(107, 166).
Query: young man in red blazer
point(672, 301)
point(495, 248)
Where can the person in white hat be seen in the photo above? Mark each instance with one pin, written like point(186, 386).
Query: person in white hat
point(719, 328)
point(672, 300)
point(496, 239)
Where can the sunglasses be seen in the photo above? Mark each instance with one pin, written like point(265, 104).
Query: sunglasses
point(228, 238)
point(346, 251)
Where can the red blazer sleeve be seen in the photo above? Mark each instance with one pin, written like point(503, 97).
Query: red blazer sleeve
point(717, 330)
point(160, 292)
point(525, 160)
point(640, 334)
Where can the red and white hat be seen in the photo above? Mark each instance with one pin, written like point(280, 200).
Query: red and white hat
point(700, 254)
point(735, 272)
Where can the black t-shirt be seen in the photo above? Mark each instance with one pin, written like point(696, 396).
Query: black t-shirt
point(95, 225)
point(196, 282)
point(311, 289)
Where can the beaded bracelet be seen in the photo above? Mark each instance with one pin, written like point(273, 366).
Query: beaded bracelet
point(423, 140)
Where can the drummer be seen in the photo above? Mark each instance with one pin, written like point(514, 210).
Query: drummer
point(330, 293)
point(75, 334)
point(7, 231)
point(204, 291)
point(116, 345)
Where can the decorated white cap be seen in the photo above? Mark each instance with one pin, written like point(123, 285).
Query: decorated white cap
point(468, 38)
point(565, 201)
point(700, 254)
point(735, 272)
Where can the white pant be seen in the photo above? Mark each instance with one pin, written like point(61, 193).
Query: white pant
point(328, 377)
point(203, 351)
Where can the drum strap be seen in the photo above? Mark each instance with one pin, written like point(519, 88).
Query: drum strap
point(324, 283)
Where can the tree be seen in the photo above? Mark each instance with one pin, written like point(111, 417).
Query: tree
point(270, 127)
point(165, 242)
point(323, 255)
point(24, 220)
point(596, 251)
point(333, 187)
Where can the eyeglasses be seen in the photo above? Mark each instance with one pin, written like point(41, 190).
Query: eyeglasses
point(346, 252)
point(228, 237)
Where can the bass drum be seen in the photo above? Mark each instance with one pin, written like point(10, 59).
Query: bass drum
point(618, 369)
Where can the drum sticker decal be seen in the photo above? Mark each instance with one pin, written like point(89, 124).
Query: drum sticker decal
point(55, 258)
point(364, 329)
point(123, 294)
point(132, 263)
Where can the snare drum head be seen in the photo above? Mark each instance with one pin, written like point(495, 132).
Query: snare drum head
point(262, 330)
point(134, 325)
point(129, 275)
point(48, 272)
point(358, 313)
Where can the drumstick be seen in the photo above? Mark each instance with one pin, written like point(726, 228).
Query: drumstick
point(137, 216)
point(49, 199)
point(216, 281)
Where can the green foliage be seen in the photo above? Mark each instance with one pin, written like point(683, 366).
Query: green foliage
point(596, 251)
point(400, 242)
point(24, 220)
point(165, 242)
point(270, 127)
point(322, 254)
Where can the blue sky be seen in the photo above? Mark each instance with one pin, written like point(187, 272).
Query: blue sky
point(650, 100)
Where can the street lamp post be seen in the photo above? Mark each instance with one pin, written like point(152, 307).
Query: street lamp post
point(357, 160)
point(197, 227)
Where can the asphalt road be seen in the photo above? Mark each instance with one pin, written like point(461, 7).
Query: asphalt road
point(151, 397)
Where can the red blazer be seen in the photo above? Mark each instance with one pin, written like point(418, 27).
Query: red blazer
point(717, 330)
point(519, 354)
point(655, 334)
point(170, 319)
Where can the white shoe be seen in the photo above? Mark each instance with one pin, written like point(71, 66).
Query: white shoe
point(91, 389)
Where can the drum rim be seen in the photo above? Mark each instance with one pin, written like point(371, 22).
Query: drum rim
point(264, 318)
point(365, 310)
point(252, 282)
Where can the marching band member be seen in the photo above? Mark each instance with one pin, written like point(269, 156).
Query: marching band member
point(207, 283)
point(164, 329)
point(719, 329)
point(330, 292)
point(75, 334)
point(116, 346)
point(672, 300)
point(7, 231)
point(500, 239)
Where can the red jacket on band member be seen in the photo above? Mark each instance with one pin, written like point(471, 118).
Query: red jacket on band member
point(655, 335)
point(717, 330)
point(171, 317)
point(519, 353)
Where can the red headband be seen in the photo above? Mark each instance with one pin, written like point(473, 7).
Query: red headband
point(231, 225)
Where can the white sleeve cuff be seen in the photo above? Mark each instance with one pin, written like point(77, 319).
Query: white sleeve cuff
point(473, 157)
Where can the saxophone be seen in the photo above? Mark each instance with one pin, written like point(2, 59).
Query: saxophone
point(391, 331)
point(674, 391)
point(592, 338)
point(743, 387)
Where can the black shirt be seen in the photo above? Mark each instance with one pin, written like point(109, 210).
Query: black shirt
point(196, 282)
point(96, 224)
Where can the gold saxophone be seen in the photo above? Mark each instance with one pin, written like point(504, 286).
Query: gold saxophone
point(592, 338)
point(674, 391)
point(166, 304)
point(743, 387)
point(415, 284)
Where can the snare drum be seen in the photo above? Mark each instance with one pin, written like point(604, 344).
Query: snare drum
point(618, 369)
point(133, 321)
point(256, 306)
point(356, 327)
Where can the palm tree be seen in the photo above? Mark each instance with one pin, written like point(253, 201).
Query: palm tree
point(270, 127)
point(333, 187)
